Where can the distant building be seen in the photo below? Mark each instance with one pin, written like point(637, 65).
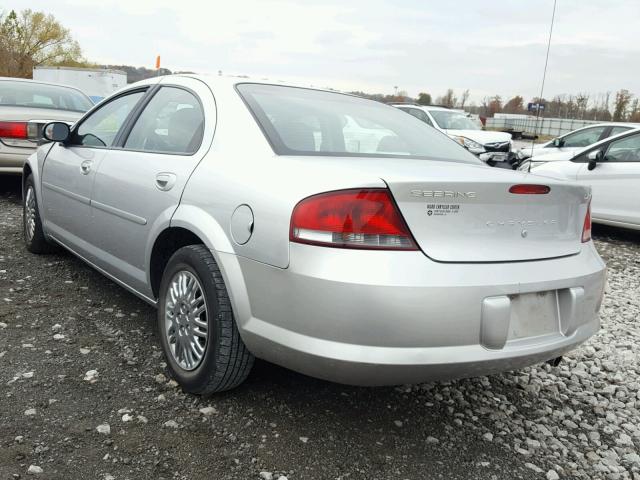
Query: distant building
point(95, 83)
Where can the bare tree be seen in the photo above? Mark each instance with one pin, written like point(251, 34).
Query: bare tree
point(448, 99)
point(623, 99)
point(464, 98)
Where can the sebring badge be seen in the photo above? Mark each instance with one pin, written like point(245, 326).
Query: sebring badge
point(442, 194)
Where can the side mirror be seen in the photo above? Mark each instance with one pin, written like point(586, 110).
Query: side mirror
point(56, 132)
point(594, 157)
point(558, 142)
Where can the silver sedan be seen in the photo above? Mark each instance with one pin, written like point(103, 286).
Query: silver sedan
point(330, 234)
point(25, 107)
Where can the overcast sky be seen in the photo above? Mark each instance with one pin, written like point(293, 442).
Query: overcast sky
point(488, 46)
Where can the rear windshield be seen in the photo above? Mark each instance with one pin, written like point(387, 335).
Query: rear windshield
point(41, 95)
point(300, 121)
point(453, 120)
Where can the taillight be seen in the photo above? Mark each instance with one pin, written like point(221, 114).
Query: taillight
point(527, 189)
point(366, 219)
point(14, 130)
point(586, 226)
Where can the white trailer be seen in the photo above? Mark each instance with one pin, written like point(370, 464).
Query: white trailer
point(94, 82)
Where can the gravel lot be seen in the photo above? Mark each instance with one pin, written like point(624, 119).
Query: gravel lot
point(84, 395)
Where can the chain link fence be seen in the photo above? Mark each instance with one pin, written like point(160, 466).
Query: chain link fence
point(546, 126)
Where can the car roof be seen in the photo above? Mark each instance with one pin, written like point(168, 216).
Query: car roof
point(38, 82)
point(231, 81)
point(424, 107)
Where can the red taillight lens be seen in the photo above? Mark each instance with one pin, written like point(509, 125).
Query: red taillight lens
point(586, 227)
point(14, 130)
point(526, 189)
point(351, 219)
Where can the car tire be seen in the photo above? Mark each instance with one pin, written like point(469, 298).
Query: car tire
point(34, 237)
point(191, 281)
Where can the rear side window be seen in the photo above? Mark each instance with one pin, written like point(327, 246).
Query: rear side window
point(419, 114)
point(172, 122)
point(300, 121)
point(617, 130)
point(41, 95)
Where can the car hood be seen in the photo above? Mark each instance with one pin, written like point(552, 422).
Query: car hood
point(481, 136)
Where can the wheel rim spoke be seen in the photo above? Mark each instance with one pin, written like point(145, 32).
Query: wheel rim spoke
point(30, 213)
point(186, 320)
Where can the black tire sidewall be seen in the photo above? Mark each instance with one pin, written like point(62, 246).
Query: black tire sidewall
point(189, 260)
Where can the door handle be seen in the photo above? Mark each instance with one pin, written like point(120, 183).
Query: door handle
point(85, 167)
point(165, 181)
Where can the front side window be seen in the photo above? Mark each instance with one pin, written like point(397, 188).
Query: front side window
point(42, 95)
point(101, 127)
point(300, 121)
point(449, 120)
point(624, 150)
point(172, 122)
point(583, 138)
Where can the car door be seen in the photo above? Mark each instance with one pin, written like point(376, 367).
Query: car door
point(615, 181)
point(69, 171)
point(139, 184)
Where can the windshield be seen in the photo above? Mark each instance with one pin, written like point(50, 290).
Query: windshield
point(300, 121)
point(41, 95)
point(453, 120)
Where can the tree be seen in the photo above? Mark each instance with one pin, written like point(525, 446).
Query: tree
point(514, 105)
point(29, 39)
point(493, 105)
point(634, 111)
point(448, 99)
point(424, 98)
point(623, 99)
point(464, 98)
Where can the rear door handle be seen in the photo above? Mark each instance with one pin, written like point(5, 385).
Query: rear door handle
point(165, 181)
point(85, 167)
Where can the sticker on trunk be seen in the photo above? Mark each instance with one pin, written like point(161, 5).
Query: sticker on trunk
point(442, 209)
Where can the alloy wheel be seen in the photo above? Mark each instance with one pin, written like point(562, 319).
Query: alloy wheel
point(186, 320)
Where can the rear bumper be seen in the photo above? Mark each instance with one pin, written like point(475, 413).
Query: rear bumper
point(14, 162)
point(379, 318)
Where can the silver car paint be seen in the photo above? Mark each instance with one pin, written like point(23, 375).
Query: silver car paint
point(365, 317)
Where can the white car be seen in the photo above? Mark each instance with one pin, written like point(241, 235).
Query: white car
point(612, 168)
point(576, 140)
point(490, 146)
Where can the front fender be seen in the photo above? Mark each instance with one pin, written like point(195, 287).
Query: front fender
point(35, 164)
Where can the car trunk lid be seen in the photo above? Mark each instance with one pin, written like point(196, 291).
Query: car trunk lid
point(463, 213)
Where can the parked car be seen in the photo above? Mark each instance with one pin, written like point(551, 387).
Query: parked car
point(255, 231)
point(611, 168)
point(576, 140)
point(25, 107)
point(562, 154)
point(489, 146)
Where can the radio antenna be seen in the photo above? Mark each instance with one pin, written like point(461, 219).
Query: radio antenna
point(544, 76)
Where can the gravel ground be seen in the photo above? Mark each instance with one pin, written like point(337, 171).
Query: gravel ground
point(84, 395)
